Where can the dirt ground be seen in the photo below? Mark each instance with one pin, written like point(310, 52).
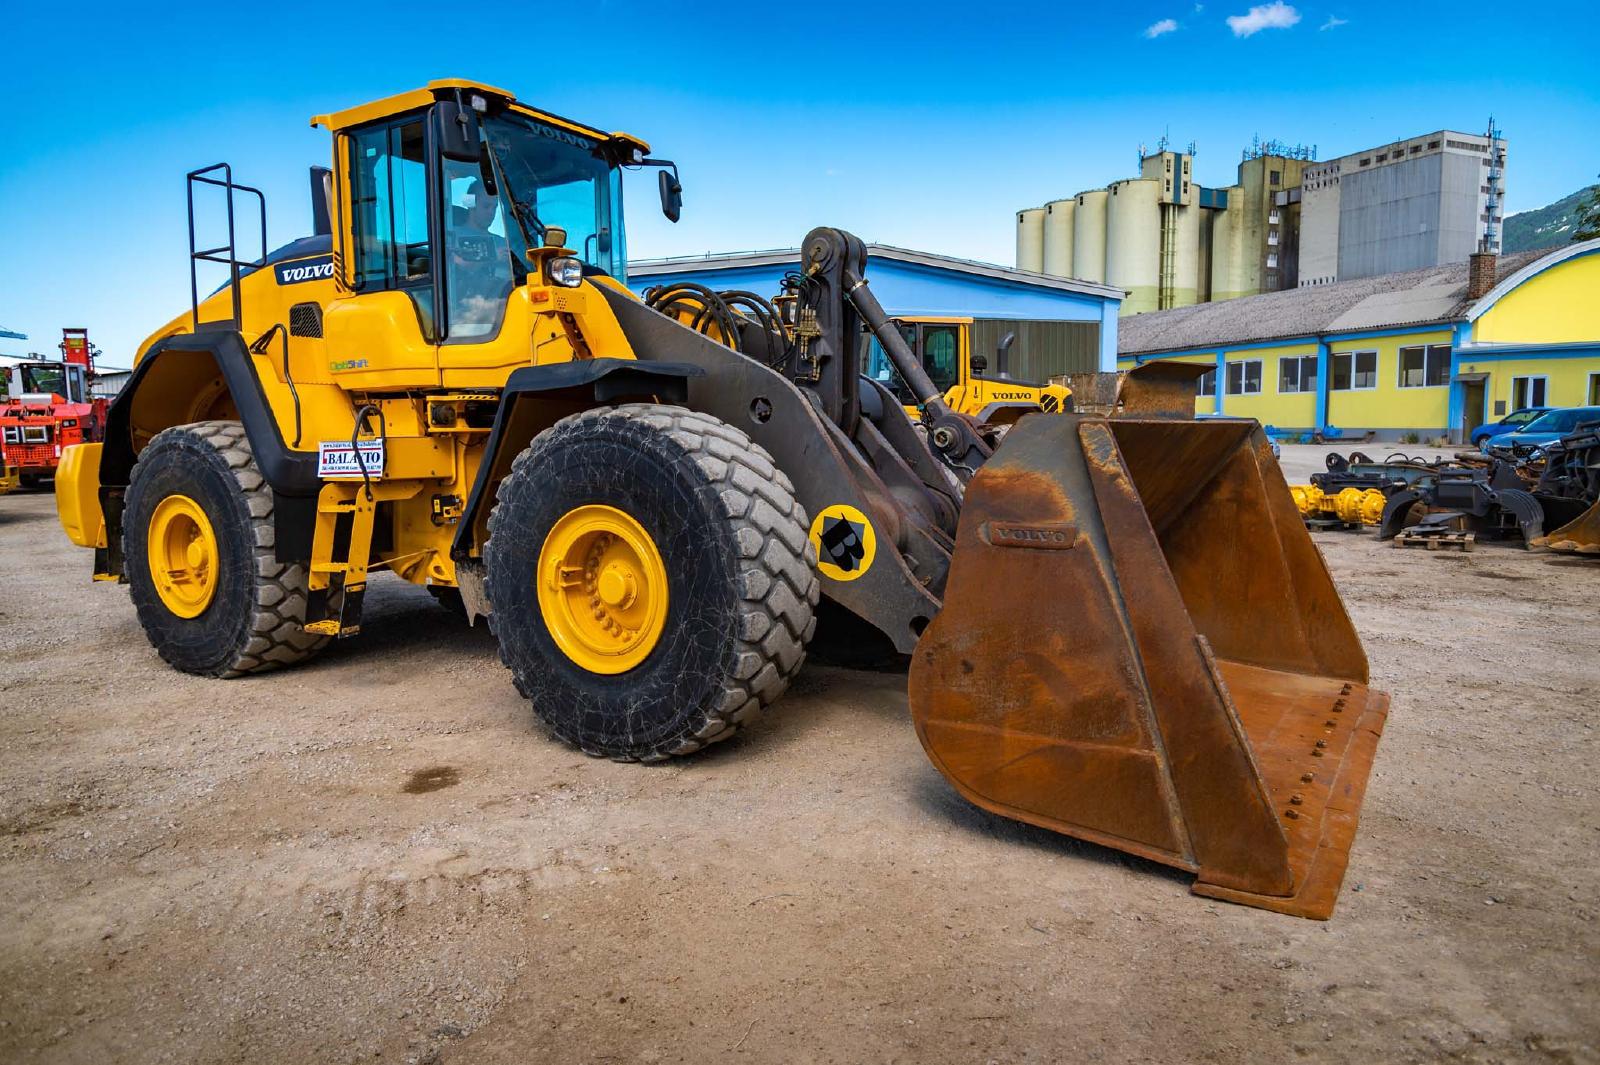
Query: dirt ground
point(378, 856)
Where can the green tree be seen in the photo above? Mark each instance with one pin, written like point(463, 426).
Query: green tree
point(1588, 226)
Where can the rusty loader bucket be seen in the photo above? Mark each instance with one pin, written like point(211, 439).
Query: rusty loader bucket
point(1580, 536)
point(1140, 646)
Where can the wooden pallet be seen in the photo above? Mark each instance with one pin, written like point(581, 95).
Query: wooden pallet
point(1433, 541)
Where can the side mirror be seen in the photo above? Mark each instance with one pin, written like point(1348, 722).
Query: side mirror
point(671, 193)
point(321, 196)
point(456, 127)
point(979, 364)
point(1002, 355)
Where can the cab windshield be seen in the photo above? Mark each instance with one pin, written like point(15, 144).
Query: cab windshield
point(558, 178)
point(44, 379)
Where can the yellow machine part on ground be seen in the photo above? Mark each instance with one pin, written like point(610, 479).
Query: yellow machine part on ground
point(1354, 506)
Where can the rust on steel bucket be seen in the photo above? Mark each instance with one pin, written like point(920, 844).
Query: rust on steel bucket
point(1181, 681)
point(1580, 536)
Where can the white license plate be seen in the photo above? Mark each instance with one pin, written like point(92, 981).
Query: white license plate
point(336, 459)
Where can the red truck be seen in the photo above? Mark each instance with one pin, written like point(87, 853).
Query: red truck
point(49, 408)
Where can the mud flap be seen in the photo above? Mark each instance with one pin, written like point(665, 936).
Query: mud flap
point(1140, 646)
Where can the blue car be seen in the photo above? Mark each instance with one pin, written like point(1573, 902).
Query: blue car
point(1509, 424)
point(1547, 428)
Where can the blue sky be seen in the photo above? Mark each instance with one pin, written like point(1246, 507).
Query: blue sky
point(909, 123)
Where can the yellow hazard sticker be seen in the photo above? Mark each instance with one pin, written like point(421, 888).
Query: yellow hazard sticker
point(844, 541)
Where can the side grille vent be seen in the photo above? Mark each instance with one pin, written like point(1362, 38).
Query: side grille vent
point(305, 320)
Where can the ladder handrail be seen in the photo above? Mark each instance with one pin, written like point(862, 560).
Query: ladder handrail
point(215, 255)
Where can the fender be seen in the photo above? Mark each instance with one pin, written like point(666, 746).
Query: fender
point(292, 474)
point(1001, 412)
point(536, 397)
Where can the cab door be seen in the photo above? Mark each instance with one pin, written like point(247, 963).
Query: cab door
point(383, 335)
point(489, 327)
point(939, 347)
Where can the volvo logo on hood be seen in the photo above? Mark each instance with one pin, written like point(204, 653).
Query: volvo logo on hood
point(301, 270)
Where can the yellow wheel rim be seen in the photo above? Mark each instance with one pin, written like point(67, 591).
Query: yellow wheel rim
point(602, 589)
point(183, 556)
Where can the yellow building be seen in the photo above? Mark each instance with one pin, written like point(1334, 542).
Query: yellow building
point(1436, 352)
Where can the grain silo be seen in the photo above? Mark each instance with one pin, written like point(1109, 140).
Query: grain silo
point(1228, 266)
point(1181, 272)
point(1030, 239)
point(1058, 218)
point(1089, 236)
point(1133, 243)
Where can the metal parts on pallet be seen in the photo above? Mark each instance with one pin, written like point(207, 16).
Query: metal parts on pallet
point(1490, 504)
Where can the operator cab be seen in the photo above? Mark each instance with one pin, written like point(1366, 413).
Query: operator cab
point(937, 347)
point(41, 380)
point(452, 189)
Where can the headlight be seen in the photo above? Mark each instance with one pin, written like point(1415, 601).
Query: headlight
point(566, 271)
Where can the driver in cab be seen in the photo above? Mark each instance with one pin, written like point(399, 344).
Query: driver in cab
point(480, 264)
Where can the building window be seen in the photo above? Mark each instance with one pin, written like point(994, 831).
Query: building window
point(1272, 260)
point(1425, 366)
point(1528, 392)
point(1297, 373)
point(1272, 237)
point(1274, 177)
point(1353, 370)
point(1272, 216)
point(1244, 378)
point(1206, 384)
point(1594, 390)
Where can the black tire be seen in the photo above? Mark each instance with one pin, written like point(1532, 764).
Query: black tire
point(741, 573)
point(253, 622)
point(30, 482)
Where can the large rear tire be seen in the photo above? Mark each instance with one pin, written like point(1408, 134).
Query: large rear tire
point(197, 543)
point(712, 580)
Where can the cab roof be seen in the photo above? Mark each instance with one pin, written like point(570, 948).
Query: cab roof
point(414, 99)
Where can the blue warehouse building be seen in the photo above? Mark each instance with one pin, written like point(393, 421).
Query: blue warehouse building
point(1063, 325)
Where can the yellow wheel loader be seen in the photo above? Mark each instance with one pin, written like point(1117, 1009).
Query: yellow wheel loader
point(1118, 627)
point(971, 385)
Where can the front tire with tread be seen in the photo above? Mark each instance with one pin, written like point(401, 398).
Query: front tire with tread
point(253, 622)
point(742, 579)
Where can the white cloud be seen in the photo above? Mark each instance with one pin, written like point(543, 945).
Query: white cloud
point(1274, 16)
point(1166, 25)
point(1334, 22)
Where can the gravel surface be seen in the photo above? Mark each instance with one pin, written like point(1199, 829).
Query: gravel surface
point(378, 856)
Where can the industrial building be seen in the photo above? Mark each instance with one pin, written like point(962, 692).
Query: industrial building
point(1436, 351)
point(1286, 221)
point(915, 283)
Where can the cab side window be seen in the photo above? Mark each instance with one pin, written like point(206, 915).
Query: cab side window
point(389, 199)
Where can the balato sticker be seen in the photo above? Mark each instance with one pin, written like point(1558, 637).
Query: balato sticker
point(337, 459)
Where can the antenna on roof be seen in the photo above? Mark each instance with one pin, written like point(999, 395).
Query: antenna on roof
point(1490, 241)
